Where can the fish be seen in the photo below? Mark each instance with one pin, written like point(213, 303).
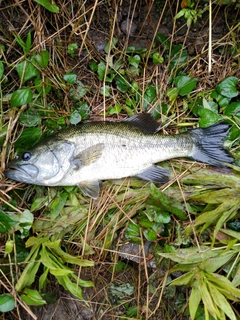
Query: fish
point(91, 152)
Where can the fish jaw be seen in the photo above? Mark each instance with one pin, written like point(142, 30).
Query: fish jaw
point(24, 173)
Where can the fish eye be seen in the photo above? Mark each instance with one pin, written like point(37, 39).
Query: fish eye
point(26, 156)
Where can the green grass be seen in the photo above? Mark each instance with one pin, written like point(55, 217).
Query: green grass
point(184, 235)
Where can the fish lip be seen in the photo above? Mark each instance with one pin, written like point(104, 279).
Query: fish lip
point(26, 171)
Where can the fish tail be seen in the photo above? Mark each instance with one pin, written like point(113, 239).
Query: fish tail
point(209, 145)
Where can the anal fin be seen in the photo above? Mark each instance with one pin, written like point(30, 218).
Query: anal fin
point(155, 174)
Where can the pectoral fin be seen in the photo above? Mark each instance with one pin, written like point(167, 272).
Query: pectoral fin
point(154, 174)
point(90, 188)
point(87, 156)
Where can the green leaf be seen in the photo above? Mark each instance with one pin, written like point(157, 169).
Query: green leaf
point(185, 84)
point(28, 137)
point(208, 118)
point(7, 302)
point(135, 60)
point(115, 110)
point(167, 203)
point(41, 60)
point(71, 48)
point(110, 44)
point(233, 109)
point(157, 58)
point(30, 118)
point(172, 94)
point(67, 284)
point(48, 5)
point(83, 109)
point(43, 87)
point(149, 94)
point(75, 117)
point(221, 301)
point(5, 222)
point(122, 83)
point(20, 97)
point(70, 78)
point(28, 43)
point(1, 69)
point(214, 263)
point(105, 91)
point(150, 234)
point(26, 71)
point(101, 70)
point(78, 92)
point(208, 300)
point(183, 280)
point(228, 87)
point(194, 300)
point(93, 66)
point(23, 221)
point(32, 297)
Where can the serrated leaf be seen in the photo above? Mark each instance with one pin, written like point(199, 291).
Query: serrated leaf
point(7, 302)
point(20, 97)
point(5, 222)
point(228, 87)
point(48, 5)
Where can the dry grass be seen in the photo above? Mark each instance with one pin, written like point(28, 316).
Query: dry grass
point(99, 235)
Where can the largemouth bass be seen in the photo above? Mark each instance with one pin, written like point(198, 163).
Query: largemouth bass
point(85, 155)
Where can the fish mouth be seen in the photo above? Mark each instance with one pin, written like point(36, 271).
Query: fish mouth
point(22, 173)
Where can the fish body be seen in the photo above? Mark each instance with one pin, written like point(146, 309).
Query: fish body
point(93, 151)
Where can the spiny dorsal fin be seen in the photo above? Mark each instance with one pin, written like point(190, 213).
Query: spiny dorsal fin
point(145, 122)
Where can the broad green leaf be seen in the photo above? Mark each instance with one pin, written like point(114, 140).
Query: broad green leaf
point(5, 222)
point(221, 100)
point(79, 91)
point(149, 95)
point(208, 118)
point(221, 301)
point(1, 69)
point(35, 241)
point(183, 280)
point(7, 302)
point(122, 83)
point(20, 97)
point(110, 44)
point(49, 5)
point(150, 234)
point(101, 70)
point(26, 71)
point(172, 94)
point(233, 109)
point(105, 91)
point(115, 110)
point(231, 233)
point(185, 84)
point(28, 43)
point(41, 60)
point(236, 279)
point(43, 279)
point(43, 87)
point(228, 87)
point(178, 57)
point(30, 118)
point(32, 297)
point(93, 66)
point(60, 272)
point(157, 58)
point(75, 117)
point(134, 60)
point(70, 78)
point(24, 221)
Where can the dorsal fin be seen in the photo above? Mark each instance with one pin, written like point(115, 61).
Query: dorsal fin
point(145, 122)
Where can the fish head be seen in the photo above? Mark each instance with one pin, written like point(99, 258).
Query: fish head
point(46, 164)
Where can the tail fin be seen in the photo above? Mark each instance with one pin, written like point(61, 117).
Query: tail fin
point(209, 145)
